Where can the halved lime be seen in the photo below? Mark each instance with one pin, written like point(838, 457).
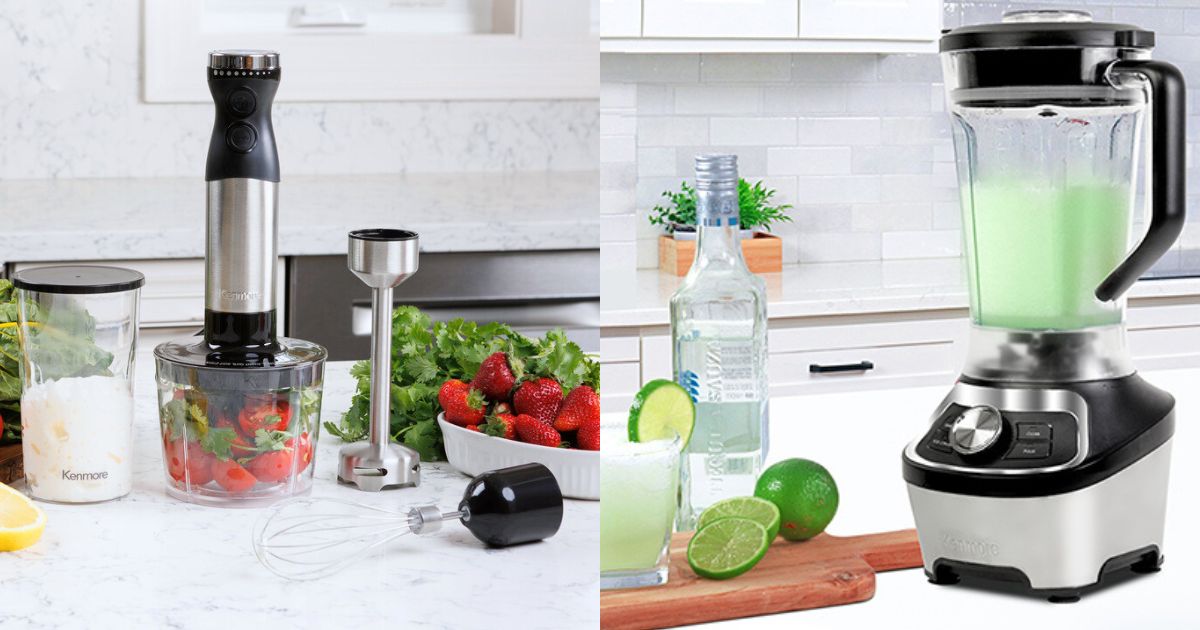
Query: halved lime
point(758, 510)
point(661, 410)
point(727, 548)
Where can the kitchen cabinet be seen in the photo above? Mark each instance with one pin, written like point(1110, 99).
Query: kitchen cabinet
point(763, 26)
point(916, 20)
point(903, 349)
point(620, 18)
point(719, 18)
point(502, 49)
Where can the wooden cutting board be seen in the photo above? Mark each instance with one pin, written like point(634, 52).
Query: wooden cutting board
point(825, 571)
point(10, 463)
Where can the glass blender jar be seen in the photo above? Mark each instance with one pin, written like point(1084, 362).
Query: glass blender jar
point(78, 336)
point(1048, 112)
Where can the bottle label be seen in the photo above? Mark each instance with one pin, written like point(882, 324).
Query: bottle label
point(717, 370)
point(717, 210)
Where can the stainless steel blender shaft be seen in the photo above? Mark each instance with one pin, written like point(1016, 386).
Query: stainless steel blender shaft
point(381, 258)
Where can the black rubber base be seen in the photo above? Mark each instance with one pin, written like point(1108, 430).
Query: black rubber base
point(1013, 580)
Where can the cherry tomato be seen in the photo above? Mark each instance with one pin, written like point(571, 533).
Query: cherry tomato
point(232, 476)
point(199, 464)
point(272, 466)
point(306, 450)
point(175, 459)
point(273, 415)
point(243, 445)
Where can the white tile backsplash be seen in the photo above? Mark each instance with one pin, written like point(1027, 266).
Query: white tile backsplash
point(860, 144)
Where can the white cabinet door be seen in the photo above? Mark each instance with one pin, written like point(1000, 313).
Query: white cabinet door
point(621, 18)
point(719, 18)
point(871, 19)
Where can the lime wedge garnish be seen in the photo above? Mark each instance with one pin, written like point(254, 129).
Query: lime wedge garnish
point(661, 410)
point(727, 548)
point(758, 510)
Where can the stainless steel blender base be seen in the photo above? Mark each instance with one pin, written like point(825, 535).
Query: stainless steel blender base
point(361, 465)
point(1058, 541)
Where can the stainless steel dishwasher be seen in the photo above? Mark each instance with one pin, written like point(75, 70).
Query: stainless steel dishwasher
point(533, 291)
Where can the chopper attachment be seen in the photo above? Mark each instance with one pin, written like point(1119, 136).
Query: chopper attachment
point(381, 258)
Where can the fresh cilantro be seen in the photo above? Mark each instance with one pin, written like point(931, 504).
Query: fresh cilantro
point(219, 442)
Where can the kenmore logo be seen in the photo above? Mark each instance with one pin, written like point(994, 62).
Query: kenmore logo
point(971, 548)
point(239, 296)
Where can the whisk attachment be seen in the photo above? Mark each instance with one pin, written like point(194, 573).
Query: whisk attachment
point(310, 538)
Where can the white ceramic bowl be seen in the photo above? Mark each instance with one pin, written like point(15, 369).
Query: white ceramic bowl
point(577, 472)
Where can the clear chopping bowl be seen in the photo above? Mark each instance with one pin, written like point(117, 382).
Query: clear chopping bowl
point(241, 429)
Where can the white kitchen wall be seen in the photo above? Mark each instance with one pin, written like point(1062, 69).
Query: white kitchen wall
point(70, 107)
point(860, 144)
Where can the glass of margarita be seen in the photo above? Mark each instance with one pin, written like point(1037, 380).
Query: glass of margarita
point(639, 491)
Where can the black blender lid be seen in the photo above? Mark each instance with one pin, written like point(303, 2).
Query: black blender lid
point(1046, 29)
point(78, 279)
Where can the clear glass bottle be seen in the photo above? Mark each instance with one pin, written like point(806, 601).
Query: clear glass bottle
point(719, 350)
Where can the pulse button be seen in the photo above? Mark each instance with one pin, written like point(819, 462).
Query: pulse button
point(241, 137)
point(242, 102)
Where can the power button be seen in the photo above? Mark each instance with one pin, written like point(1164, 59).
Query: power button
point(242, 101)
point(241, 137)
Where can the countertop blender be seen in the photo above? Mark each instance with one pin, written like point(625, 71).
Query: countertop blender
point(1045, 468)
point(240, 406)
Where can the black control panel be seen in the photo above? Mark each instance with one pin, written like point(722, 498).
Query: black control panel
point(243, 142)
point(1027, 439)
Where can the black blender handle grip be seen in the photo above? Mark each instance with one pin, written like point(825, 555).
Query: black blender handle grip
point(243, 141)
point(513, 505)
point(1168, 103)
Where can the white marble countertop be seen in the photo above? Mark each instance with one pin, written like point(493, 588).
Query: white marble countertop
point(874, 499)
point(150, 561)
point(823, 289)
point(95, 219)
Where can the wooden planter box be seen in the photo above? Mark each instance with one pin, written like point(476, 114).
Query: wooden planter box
point(763, 253)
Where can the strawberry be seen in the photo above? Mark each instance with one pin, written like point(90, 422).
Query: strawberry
point(495, 377)
point(463, 405)
point(539, 398)
point(501, 408)
point(473, 427)
point(588, 436)
point(578, 408)
point(502, 425)
point(535, 431)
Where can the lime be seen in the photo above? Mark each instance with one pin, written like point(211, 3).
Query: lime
point(661, 410)
point(805, 494)
point(758, 510)
point(727, 548)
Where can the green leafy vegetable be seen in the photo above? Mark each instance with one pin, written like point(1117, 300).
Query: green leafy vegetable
point(63, 338)
point(219, 442)
point(426, 354)
point(754, 207)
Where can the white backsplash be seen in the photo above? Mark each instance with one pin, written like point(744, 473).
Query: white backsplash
point(70, 107)
point(860, 144)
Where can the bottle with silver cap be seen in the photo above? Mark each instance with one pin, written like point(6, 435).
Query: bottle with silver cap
point(719, 349)
point(239, 407)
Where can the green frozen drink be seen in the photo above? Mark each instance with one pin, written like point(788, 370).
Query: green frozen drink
point(1036, 251)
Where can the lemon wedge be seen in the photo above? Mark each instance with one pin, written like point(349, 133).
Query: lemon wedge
point(21, 522)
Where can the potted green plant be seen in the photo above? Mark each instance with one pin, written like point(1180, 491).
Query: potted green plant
point(756, 213)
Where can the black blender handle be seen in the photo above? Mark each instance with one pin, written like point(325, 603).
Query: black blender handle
point(513, 505)
point(1168, 102)
point(243, 142)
